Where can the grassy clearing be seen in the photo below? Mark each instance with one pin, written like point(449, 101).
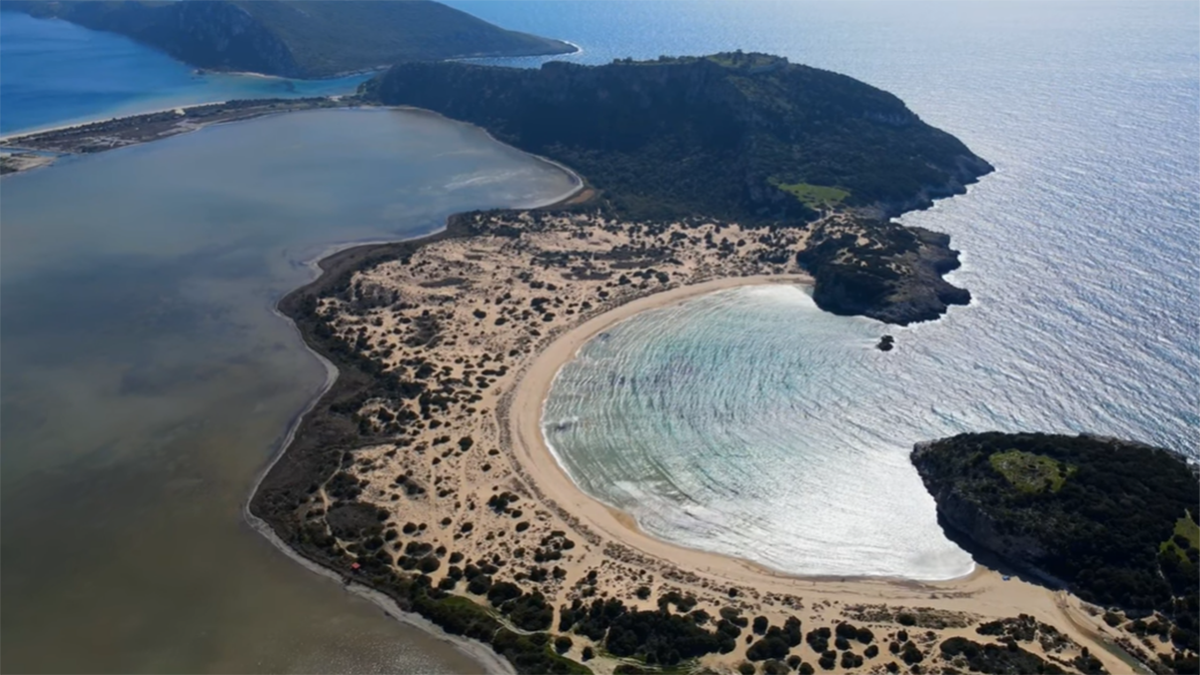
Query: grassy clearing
point(1187, 528)
point(1029, 472)
point(815, 196)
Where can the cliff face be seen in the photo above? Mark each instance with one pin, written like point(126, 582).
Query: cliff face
point(895, 276)
point(296, 38)
point(1112, 520)
point(969, 518)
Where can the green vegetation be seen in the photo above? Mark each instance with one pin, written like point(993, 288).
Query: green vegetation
point(745, 137)
point(1029, 472)
point(659, 638)
point(297, 38)
point(815, 197)
point(1186, 536)
point(1114, 525)
point(1007, 659)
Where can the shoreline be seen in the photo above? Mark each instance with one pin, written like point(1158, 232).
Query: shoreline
point(981, 593)
point(320, 264)
point(473, 649)
point(122, 132)
point(532, 392)
point(525, 413)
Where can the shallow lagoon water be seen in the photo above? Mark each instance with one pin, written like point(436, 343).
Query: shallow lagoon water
point(146, 381)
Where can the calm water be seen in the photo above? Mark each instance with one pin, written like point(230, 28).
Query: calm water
point(146, 381)
point(53, 72)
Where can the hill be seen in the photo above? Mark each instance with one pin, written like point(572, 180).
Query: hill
point(297, 38)
point(1114, 521)
point(746, 137)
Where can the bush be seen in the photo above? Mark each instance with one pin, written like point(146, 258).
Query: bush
point(746, 668)
point(562, 644)
point(768, 648)
point(911, 654)
point(479, 584)
point(760, 624)
point(588, 653)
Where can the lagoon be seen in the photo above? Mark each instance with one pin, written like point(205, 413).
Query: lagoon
point(147, 380)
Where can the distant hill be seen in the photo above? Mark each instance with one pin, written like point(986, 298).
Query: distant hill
point(1114, 521)
point(296, 38)
point(748, 137)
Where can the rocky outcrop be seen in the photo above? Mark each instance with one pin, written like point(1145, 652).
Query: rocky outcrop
point(966, 516)
point(882, 270)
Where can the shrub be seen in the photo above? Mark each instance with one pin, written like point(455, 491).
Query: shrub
point(562, 644)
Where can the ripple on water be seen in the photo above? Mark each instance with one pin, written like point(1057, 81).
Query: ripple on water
point(732, 422)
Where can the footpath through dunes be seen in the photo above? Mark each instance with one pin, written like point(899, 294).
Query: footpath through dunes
point(423, 472)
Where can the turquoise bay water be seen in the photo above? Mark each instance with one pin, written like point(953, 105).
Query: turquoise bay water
point(721, 423)
point(53, 72)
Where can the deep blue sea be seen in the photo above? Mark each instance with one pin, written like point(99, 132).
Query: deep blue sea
point(53, 72)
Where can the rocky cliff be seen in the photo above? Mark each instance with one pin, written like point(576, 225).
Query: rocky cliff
point(883, 270)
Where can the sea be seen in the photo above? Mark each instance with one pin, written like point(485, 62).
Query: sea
point(54, 73)
point(147, 380)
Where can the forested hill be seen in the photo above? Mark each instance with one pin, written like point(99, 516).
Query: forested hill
point(296, 38)
point(737, 136)
point(1115, 521)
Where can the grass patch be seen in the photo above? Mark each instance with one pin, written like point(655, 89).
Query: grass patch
point(815, 196)
point(1029, 472)
point(1187, 528)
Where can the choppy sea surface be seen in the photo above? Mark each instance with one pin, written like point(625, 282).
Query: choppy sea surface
point(751, 423)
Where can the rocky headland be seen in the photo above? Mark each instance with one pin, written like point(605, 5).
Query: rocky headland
point(297, 38)
point(1112, 521)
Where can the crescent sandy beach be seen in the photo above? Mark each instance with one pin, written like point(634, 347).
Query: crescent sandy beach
point(489, 312)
